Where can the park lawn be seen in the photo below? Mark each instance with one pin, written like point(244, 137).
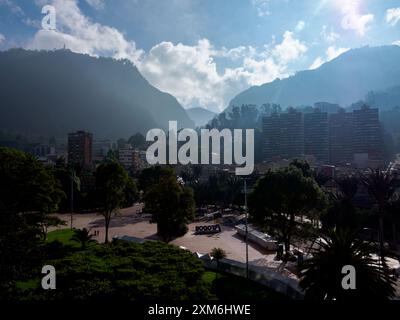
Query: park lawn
point(64, 236)
point(230, 287)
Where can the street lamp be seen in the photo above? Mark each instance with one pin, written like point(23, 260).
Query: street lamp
point(246, 237)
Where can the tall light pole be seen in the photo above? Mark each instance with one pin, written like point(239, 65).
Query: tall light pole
point(72, 194)
point(247, 242)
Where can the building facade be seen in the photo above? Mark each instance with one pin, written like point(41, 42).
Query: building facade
point(316, 135)
point(80, 149)
point(341, 135)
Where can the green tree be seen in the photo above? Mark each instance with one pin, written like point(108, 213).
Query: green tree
point(218, 254)
point(111, 183)
point(304, 166)
point(83, 237)
point(381, 185)
point(279, 197)
point(171, 205)
point(137, 141)
point(322, 274)
point(342, 213)
point(28, 193)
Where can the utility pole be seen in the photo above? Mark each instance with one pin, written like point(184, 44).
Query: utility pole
point(247, 242)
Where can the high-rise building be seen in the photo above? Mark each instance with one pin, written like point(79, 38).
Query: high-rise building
point(316, 137)
point(283, 135)
point(101, 149)
point(272, 136)
point(327, 107)
point(292, 134)
point(341, 134)
point(80, 149)
point(368, 136)
point(126, 156)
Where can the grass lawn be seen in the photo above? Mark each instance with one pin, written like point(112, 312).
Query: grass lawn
point(64, 236)
point(230, 287)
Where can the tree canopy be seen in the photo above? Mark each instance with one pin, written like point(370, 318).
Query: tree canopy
point(279, 196)
point(171, 205)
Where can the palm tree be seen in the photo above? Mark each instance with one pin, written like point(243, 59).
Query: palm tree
point(322, 274)
point(218, 254)
point(348, 186)
point(83, 237)
point(381, 185)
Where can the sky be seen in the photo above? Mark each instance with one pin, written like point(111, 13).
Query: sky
point(204, 52)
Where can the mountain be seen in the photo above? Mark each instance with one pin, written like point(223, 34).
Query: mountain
point(200, 116)
point(385, 100)
point(52, 93)
point(343, 80)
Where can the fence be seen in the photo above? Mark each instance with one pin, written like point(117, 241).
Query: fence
point(263, 275)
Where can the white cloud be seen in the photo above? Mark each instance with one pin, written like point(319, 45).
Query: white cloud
point(190, 72)
point(290, 49)
point(396, 43)
point(393, 16)
point(193, 74)
point(300, 26)
point(330, 36)
point(317, 63)
point(97, 4)
point(15, 9)
point(79, 34)
point(352, 17)
point(262, 7)
point(331, 53)
point(2, 38)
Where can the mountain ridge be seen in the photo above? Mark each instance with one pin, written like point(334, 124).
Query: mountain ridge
point(56, 92)
point(343, 80)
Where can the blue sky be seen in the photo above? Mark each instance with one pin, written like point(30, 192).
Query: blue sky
point(204, 52)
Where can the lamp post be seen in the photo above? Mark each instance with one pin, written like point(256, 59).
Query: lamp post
point(247, 242)
point(72, 175)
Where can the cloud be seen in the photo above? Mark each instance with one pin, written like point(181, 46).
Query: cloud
point(331, 53)
point(330, 36)
point(317, 63)
point(396, 43)
point(15, 9)
point(79, 34)
point(353, 19)
point(262, 7)
point(2, 38)
point(393, 16)
point(290, 49)
point(190, 73)
point(300, 26)
point(197, 75)
point(97, 4)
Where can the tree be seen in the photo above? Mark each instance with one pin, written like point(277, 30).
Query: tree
point(28, 193)
point(150, 176)
point(171, 205)
point(342, 213)
point(137, 141)
point(322, 275)
point(304, 166)
point(111, 183)
point(124, 271)
point(279, 197)
point(381, 185)
point(218, 254)
point(83, 237)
